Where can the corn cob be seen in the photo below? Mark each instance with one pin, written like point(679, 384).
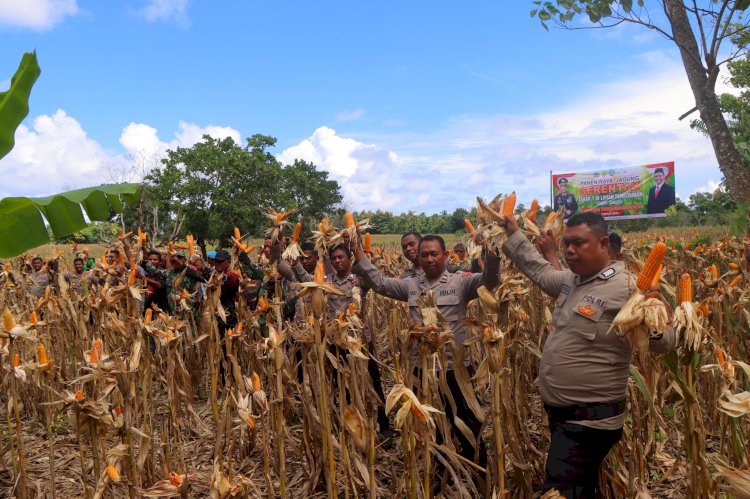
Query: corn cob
point(469, 227)
point(41, 352)
point(237, 234)
point(720, 356)
point(713, 272)
point(349, 219)
point(509, 205)
point(149, 316)
point(735, 281)
point(16, 360)
point(121, 259)
point(657, 276)
point(652, 265)
point(297, 230)
point(8, 322)
point(368, 243)
point(34, 318)
point(113, 474)
point(319, 275)
point(80, 395)
point(686, 288)
point(533, 210)
point(734, 266)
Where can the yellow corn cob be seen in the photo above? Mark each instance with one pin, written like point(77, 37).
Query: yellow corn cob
point(175, 479)
point(8, 322)
point(657, 277)
point(131, 277)
point(469, 227)
point(80, 395)
point(46, 292)
point(297, 230)
point(509, 204)
point(149, 316)
point(713, 272)
point(113, 474)
point(237, 234)
point(256, 382)
point(319, 273)
point(686, 288)
point(720, 357)
point(16, 360)
point(41, 352)
point(349, 219)
point(34, 318)
point(368, 243)
point(734, 266)
point(533, 210)
point(735, 281)
point(652, 265)
point(122, 259)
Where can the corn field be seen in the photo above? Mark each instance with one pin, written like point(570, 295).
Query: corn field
point(101, 400)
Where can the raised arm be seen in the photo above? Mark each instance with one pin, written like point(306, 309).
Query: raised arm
point(373, 279)
point(526, 257)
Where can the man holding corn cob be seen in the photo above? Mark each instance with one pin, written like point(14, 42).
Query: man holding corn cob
point(584, 370)
point(452, 294)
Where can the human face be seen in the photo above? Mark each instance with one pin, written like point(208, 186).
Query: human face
point(432, 259)
point(563, 187)
point(341, 261)
point(309, 260)
point(78, 266)
point(154, 259)
point(267, 248)
point(585, 253)
point(37, 263)
point(177, 262)
point(410, 248)
point(198, 264)
point(111, 258)
point(658, 178)
point(163, 260)
point(221, 266)
point(460, 251)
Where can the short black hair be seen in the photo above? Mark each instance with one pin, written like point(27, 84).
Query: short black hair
point(78, 260)
point(307, 246)
point(115, 251)
point(154, 252)
point(459, 245)
point(432, 237)
point(341, 247)
point(412, 233)
point(615, 241)
point(37, 258)
point(661, 170)
point(594, 220)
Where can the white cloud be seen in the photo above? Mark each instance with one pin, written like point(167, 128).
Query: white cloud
point(142, 139)
point(365, 171)
point(36, 14)
point(709, 187)
point(350, 115)
point(166, 10)
point(625, 121)
point(55, 153)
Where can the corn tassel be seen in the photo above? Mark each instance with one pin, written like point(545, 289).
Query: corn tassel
point(652, 266)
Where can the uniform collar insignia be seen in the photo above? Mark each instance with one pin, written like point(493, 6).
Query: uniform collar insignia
point(607, 273)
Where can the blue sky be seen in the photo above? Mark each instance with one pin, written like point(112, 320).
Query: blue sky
point(409, 105)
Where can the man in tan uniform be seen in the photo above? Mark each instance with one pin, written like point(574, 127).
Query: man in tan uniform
point(583, 374)
point(452, 293)
point(410, 249)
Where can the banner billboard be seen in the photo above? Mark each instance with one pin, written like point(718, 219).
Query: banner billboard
point(617, 193)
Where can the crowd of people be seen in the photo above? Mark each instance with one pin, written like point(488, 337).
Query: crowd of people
point(583, 372)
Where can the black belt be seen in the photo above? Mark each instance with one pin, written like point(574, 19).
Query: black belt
point(591, 411)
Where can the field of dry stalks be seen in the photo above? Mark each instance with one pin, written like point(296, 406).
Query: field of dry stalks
point(99, 400)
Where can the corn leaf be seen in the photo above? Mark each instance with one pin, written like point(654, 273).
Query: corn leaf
point(14, 103)
point(22, 219)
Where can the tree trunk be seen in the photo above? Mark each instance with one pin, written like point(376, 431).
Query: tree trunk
point(737, 175)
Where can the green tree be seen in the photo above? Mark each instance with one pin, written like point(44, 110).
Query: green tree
point(702, 55)
point(208, 189)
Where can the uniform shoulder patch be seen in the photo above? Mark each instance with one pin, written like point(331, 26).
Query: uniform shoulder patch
point(607, 273)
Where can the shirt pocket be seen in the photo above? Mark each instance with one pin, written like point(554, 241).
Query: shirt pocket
point(585, 319)
point(448, 306)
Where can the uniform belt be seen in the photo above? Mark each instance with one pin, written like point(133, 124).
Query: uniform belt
point(590, 411)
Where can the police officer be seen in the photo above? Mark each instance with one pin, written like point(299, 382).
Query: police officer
point(565, 199)
point(452, 294)
point(583, 374)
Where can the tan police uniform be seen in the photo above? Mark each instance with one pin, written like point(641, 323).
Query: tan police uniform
point(583, 361)
point(412, 273)
point(452, 293)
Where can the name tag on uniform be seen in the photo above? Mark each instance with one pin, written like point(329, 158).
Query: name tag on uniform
point(588, 310)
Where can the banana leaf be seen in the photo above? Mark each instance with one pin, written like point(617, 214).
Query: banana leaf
point(22, 219)
point(14, 103)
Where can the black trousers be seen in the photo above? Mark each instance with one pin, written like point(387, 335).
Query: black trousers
point(575, 454)
point(464, 412)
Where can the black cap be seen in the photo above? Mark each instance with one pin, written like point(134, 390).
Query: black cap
point(562, 181)
point(222, 256)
